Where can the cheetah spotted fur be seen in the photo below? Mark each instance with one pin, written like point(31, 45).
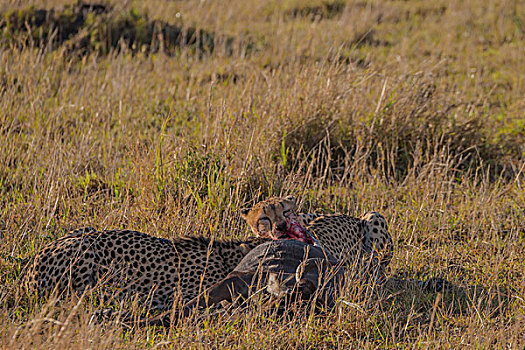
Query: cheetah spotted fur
point(134, 263)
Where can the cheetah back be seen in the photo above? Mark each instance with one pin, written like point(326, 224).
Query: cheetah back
point(132, 262)
point(348, 238)
point(342, 235)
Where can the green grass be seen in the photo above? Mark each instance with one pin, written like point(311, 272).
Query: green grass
point(410, 108)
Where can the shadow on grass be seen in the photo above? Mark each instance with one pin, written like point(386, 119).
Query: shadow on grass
point(435, 295)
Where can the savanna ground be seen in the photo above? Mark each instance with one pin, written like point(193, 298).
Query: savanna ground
point(167, 117)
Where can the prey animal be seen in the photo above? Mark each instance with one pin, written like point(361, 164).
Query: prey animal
point(280, 267)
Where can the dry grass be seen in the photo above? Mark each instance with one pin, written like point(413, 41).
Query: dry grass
point(411, 108)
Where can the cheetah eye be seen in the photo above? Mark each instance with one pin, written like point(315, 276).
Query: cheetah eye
point(286, 213)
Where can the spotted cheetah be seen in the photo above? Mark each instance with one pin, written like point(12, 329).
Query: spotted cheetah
point(133, 263)
point(130, 262)
point(344, 236)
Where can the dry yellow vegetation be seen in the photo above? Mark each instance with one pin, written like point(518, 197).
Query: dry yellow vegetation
point(167, 117)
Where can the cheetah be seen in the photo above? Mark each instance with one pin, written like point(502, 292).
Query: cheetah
point(155, 269)
point(129, 263)
point(346, 237)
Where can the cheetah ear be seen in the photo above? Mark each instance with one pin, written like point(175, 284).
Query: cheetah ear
point(244, 213)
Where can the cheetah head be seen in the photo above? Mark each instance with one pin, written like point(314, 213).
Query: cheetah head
point(271, 218)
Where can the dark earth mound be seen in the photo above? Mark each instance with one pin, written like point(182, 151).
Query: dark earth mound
point(88, 27)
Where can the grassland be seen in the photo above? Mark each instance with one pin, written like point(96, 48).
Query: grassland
point(169, 116)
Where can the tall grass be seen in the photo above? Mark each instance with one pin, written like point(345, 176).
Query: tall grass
point(413, 109)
